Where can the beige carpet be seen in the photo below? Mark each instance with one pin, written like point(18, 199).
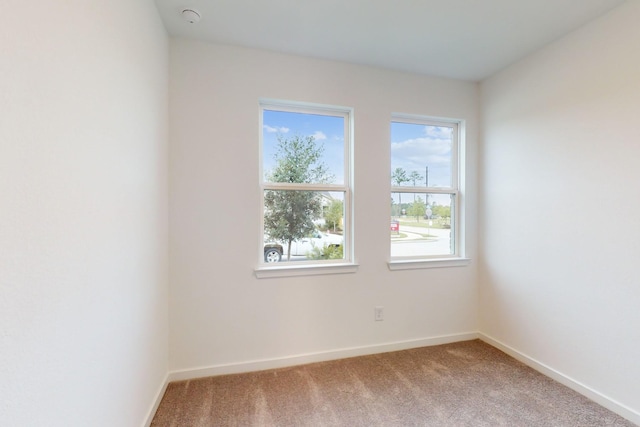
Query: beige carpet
point(462, 384)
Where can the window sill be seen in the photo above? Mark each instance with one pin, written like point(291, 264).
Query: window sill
point(305, 270)
point(414, 264)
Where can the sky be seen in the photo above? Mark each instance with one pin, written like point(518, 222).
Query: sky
point(414, 147)
point(326, 130)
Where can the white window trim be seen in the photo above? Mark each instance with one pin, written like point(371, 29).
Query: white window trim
point(266, 271)
point(315, 267)
point(415, 264)
point(458, 258)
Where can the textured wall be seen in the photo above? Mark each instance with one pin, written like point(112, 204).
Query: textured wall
point(219, 312)
point(83, 212)
point(560, 208)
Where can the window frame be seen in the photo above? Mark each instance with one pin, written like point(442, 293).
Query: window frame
point(456, 189)
point(312, 267)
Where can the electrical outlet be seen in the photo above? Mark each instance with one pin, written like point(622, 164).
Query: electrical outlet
point(378, 314)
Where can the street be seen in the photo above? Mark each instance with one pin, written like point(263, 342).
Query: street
point(414, 244)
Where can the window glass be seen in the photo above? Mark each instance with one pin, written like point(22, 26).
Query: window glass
point(424, 188)
point(305, 191)
point(321, 237)
point(423, 153)
point(424, 226)
point(282, 128)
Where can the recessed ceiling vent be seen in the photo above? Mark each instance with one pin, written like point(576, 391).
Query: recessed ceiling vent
point(191, 16)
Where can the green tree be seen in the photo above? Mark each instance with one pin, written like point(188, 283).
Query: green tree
point(443, 213)
point(327, 252)
point(333, 214)
point(289, 214)
point(417, 208)
point(414, 177)
point(399, 177)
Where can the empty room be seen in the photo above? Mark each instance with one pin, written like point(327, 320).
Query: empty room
point(319, 213)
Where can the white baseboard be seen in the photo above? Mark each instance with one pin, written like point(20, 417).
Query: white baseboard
point(156, 401)
point(300, 359)
point(280, 362)
point(258, 365)
point(599, 398)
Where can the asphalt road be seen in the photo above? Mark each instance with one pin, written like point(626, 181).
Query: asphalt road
point(414, 244)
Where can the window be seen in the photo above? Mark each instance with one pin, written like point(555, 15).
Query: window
point(425, 191)
point(305, 183)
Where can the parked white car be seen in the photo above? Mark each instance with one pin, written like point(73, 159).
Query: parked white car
point(274, 251)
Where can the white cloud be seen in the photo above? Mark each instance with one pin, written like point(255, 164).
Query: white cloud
point(319, 135)
point(437, 132)
point(271, 129)
point(416, 154)
point(422, 148)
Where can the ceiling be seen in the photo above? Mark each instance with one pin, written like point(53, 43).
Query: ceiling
point(461, 39)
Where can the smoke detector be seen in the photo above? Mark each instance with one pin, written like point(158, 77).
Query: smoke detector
point(191, 16)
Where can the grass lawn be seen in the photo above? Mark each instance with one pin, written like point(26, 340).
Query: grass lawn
point(436, 223)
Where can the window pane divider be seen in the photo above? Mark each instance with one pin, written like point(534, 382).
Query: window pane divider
point(303, 186)
point(424, 190)
point(328, 189)
point(416, 243)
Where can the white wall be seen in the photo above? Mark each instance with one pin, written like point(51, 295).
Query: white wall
point(560, 209)
point(219, 312)
point(83, 212)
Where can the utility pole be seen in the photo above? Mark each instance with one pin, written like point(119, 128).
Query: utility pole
point(426, 184)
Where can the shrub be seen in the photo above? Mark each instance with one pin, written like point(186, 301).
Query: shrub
point(326, 252)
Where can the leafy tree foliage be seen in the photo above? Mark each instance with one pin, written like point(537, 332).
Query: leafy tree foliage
point(289, 214)
point(327, 252)
point(417, 208)
point(443, 214)
point(399, 177)
point(334, 214)
point(414, 177)
point(441, 211)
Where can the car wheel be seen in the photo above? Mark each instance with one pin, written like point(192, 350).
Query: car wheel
point(272, 255)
